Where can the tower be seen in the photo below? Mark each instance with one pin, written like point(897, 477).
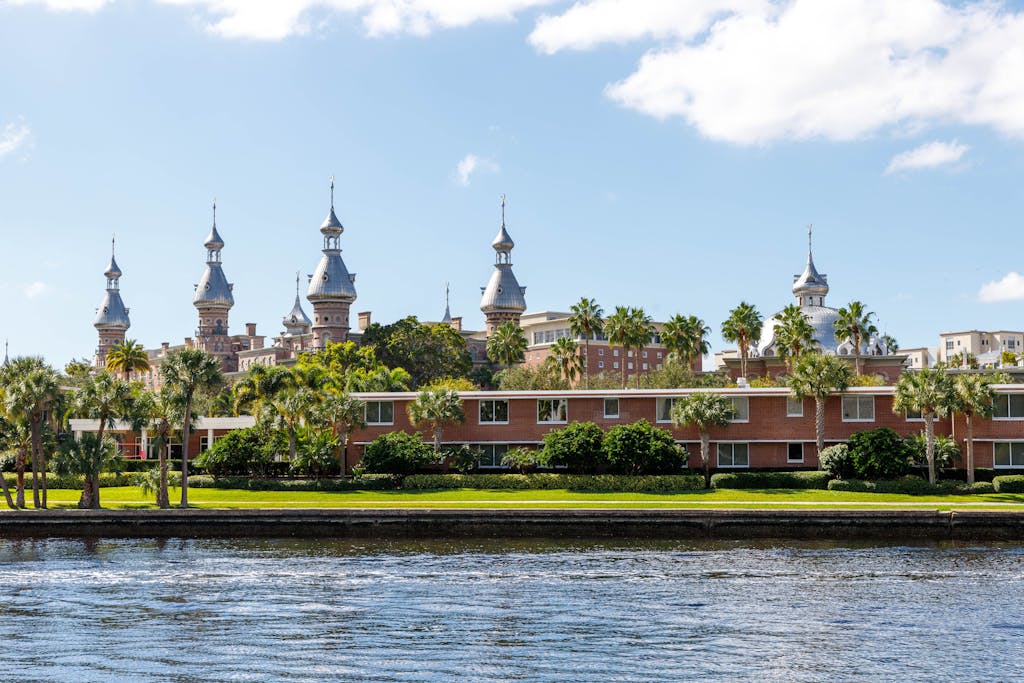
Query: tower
point(331, 288)
point(297, 323)
point(810, 288)
point(111, 317)
point(446, 319)
point(213, 299)
point(503, 298)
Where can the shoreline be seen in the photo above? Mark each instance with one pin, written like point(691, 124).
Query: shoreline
point(517, 523)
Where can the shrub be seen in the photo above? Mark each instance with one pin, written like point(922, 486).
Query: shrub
point(317, 453)
point(856, 485)
point(369, 482)
point(573, 482)
point(462, 458)
point(878, 454)
point(8, 461)
point(1013, 483)
point(910, 485)
point(947, 451)
point(523, 460)
point(770, 480)
point(576, 446)
point(836, 460)
point(976, 487)
point(242, 451)
point(641, 448)
point(397, 453)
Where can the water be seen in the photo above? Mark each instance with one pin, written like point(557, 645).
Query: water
point(260, 610)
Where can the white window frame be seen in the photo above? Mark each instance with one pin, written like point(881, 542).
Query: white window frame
point(564, 402)
point(788, 446)
point(604, 408)
point(1010, 417)
point(741, 399)
point(858, 398)
point(1010, 448)
point(914, 416)
point(485, 447)
point(732, 450)
point(494, 402)
point(790, 401)
point(600, 365)
point(660, 403)
point(378, 421)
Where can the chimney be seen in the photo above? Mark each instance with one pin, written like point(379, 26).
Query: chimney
point(188, 342)
point(250, 329)
point(164, 346)
point(364, 320)
point(457, 323)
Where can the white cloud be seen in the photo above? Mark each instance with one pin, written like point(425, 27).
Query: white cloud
point(13, 136)
point(34, 290)
point(470, 164)
point(1010, 288)
point(65, 5)
point(928, 155)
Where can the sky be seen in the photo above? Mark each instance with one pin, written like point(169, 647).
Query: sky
point(654, 153)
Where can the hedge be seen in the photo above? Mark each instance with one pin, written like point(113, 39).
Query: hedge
point(367, 482)
point(665, 483)
point(771, 480)
point(911, 486)
point(74, 481)
point(1013, 483)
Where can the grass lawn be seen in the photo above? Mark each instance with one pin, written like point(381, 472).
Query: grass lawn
point(130, 497)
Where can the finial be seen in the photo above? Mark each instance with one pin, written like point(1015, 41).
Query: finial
point(332, 192)
point(809, 226)
point(446, 295)
point(113, 239)
point(503, 208)
point(296, 284)
point(215, 212)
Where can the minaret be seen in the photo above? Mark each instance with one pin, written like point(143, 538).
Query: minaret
point(503, 298)
point(810, 288)
point(111, 317)
point(331, 288)
point(446, 319)
point(214, 299)
point(297, 322)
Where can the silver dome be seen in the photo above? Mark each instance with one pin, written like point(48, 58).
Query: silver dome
point(331, 224)
point(297, 322)
point(331, 281)
point(213, 240)
point(213, 288)
point(821, 318)
point(113, 271)
point(503, 241)
point(503, 292)
point(112, 314)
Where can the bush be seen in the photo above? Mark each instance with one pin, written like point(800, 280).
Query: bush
point(8, 461)
point(523, 460)
point(577, 446)
point(1013, 483)
point(241, 452)
point(572, 482)
point(910, 485)
point(836, 461)
point(856, 485)
point(878, 454)
point(397, 453)
point(369, 482)
point(641, 448)
point(462, 458)
point(770, 480)
point(947, 451)
point(136, 465)
point(317, 453)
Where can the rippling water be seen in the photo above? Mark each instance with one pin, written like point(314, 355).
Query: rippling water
point(258, 610)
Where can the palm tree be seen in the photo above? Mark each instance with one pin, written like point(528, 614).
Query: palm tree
point(30, 387)
point(88, 456)
point(891, 345)
point(618, 328)
point(162, 413)
point(507, 344)
point(6, 432)
point(973, 396)
point(565, 354)
point(187, 373)
point(586, 321)
point(928, 391)
point(704, 410)
point(437, 408)
point(18, 438)
point(793, 333)
point(106, 398)
point(344, 413)
point(261, 383)
point(381, 379)
point(640, 332)
point(127, 357)
point(685, 338)
point(291, 409)
point(817, 375)
point(855, 324)
point(743, 327)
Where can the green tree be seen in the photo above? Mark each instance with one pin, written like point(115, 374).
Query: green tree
point(397, 453)
point(188, 373)
point(565, 355)
point(162, 414)
point(891, 345)
point(704, 410)
point(507, 344)
point(855, 324)
point(30, 388)
point(972, 397)
point(260, 384)
point(88, 456)
point(525, 378)
point(794, 334)
point(427, 352)
point(928, 391)
point(344, 413)
point(816, 376)
point(106, 398)
point(576, 446)
point(641, 448)
point(743, 327)
point(317, 452)
point(6, 441)
point(437, 408)
point(878, 454)
point(641, 330)
point(585, 322)
point(685, 338)
point(127, 357)
point(380, 379)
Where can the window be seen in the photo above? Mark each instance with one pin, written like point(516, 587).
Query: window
point(600, 352)
point(380, 412)
point(629, 366)
point(615, 352)
point(949, 345)
point(611, 408)
point(644, 366)
point(615, 365)
point(913, 415)
point(795, 452)
point(742, 406)
point(1006, 455)
point(659, 354)
point(794, 407)
point(645, 354)
point(664, 412)
point(1008, 407)
point(600, 364)
point(552, 410)
point(858, 408)
point(733, 455)
point(491, 454)
point(494, 411)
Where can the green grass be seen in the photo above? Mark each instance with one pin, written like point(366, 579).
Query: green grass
point(130, 497)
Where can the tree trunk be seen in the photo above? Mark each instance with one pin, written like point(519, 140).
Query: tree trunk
point(34, 429)
point(437, 438)
point(970, 448)
point(856, 354)
point(819, 424)
point(705, 457)
point(929, 445)
point(96, 491)
point(743, 357)
point(163, 500)
point(19, 467)
point(292, 444)
point(185, 434)
point(7, 492)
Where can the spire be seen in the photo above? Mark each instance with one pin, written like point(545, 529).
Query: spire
point(214, 243)
point(331, 281)
point(332, 228)
point(810, 287)
point(447, 318)
point(7, 361)
point(213, 288)
point(112, 313)
point(502, 242)
point(297, 322)
point(113, 272)
point(503, 295)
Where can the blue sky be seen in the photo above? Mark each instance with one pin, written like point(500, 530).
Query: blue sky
point(656, 154)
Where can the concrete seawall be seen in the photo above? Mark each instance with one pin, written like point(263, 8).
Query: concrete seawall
point(512, 523)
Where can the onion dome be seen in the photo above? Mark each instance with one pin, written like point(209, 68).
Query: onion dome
point(112, 313)
point(810, 283)
point(297, 322)
point(214, 240)
point(503, 241)
point(331, 280)
point(113, 271)
point(503, 294)
point(213, 289)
